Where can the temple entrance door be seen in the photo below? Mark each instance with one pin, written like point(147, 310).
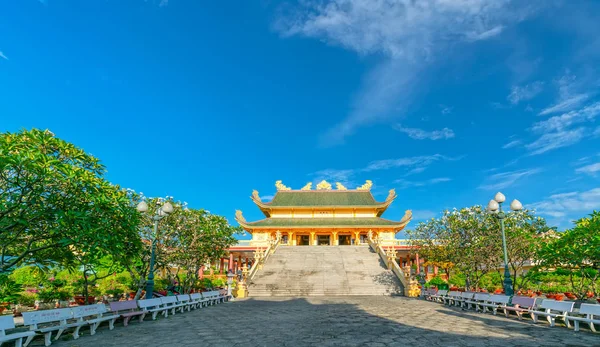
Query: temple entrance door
point(323, 240)
point(344, 240)
point(303, 240)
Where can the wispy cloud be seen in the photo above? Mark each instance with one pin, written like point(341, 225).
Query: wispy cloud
point(511, 144)
point(420, 215)
point(3, 56)
point(591, 169)
point(404, 184)
point(507, 179)
point(446, 109)
point(345, 177)
point(420, 134)
point(564, 204)
point(526, 92)
point(410, 35)
point(419, 162)
point(565, 105)
point(558, 131)
point(569, 94)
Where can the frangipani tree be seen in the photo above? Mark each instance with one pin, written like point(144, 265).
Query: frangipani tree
point(577, 250)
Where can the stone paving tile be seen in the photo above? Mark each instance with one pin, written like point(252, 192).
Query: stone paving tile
point(333, 321)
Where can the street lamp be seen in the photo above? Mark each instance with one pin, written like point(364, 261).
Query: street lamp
point(495, 206)
point(161, 212)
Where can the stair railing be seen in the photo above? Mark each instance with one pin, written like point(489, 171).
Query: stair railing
point(389, 259)
point(261, 257)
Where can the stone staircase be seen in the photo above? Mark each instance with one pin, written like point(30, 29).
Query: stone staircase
point(324, 271)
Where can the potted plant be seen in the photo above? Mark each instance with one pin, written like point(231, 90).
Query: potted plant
point(9, 292)
point(63, 297)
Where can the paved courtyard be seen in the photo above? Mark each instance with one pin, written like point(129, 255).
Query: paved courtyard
point(338, 321)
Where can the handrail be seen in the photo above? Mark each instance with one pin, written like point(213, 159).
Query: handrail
point(255, 267)
point(394, 264)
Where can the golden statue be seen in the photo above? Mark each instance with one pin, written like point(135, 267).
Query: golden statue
point(367, 186)
point(340, 186)
point(280, 186)
point(255, 195)
point(308, 186)
point(323, 185)
point(391, 195)
point(239, 216)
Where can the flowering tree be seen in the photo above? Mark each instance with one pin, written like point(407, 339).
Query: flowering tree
point(577, 251)
point(55, 203)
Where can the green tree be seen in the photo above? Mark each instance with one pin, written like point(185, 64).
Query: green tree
point(577, 251)
point(55, 202)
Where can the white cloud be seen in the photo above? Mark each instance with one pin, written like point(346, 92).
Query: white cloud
point(345, 177)
point(418, 163)
point(591, 169)
point(420, 134)
point(562, 205)
point(512, 144)
point(526, 92)
point(446, 109)
point(596, 132)
point(506, 179)
point(409, 184)
point(569, 94)
point(550, 141)
point(410, 35)
point(3, 56)
point(565, 105)
point(558, 123)
point(419, 215)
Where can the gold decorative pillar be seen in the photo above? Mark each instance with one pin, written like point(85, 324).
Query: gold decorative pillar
point(241, 290)
point(336, 241)
point(356, 238)
point(291, 239)
point(313, 240)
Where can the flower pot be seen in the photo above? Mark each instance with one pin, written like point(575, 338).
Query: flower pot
point(598, 299)
point(2, 308)
point(559, 297)
point(498, 291)
point(570, 295)
point(132, 295)
point(590, 295)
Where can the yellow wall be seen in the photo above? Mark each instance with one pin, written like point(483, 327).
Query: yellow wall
point(323, 213)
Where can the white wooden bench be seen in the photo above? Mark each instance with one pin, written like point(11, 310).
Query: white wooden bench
point(184, 301)
point(154, 306)
point(213, 297)
point(94, 316)
point(170, 304)
point(196, 300)
point(437, 297)
point(494, 303)
point(552, 310)
point(452, 295)
point(519, 305)
point(589, 310)
point(464, 297)
point(47, 321)
point(477, 299)
point(7, 323)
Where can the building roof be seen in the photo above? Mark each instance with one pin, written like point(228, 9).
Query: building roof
point(323, 198)
point(331, 222)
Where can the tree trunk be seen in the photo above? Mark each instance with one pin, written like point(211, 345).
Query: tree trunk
point(85, 287)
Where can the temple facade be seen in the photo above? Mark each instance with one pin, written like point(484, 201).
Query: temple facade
point(323, 216)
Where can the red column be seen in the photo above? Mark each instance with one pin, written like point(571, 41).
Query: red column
point(418, 263)
point(248, 266)
point(222, 266)
point(230, 267)
point(201, 272)
point(435, 270)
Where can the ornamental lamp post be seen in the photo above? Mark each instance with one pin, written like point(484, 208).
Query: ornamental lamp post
point(161, 212)
point(495, 206)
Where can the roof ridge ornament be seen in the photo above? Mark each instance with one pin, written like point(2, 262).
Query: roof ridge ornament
point(308, 186)
point(340, 186)
point(367, 186)
point(391, 195)
point(407, 216)
point(323, 185)
point(255, 195)
point(239, 217)
point(280, 186)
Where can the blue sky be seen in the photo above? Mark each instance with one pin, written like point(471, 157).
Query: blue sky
point(445, 101)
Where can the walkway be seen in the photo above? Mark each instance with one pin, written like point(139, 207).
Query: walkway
point(339, 321)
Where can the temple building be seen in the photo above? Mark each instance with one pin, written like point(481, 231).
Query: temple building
point(323, 216)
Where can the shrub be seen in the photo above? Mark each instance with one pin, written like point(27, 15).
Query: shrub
point(28, 276)
point(435, 281)
point(9, 289)
point(27, 298)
